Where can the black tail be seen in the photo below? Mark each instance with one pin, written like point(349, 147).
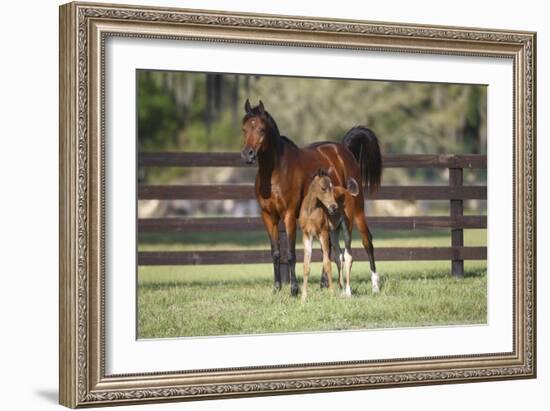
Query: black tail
point(363, 143)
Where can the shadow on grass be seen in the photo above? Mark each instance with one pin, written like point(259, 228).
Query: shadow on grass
point(364, 277)
point(361, 279)
point(253, 282)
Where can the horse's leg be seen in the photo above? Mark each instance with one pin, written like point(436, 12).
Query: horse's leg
point(290, 228)
point(308, 246)
point(272, 227)
point(324, 275)
point(327, 264)
point(324, 278)
point(366, 238)
point(337, 254)
point(348, 259)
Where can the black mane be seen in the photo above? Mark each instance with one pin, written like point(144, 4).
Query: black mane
point(289, 141)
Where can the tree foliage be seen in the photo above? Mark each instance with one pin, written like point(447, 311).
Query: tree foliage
point(184, 111)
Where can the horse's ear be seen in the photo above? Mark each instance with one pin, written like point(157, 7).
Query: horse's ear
point(247, 107)
point(261, 107)
point(352, 187)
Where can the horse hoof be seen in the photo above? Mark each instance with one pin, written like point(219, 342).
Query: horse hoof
point(347, 292)
point(277, 287)
point(294, 290)
point(375, 278)
point(324, 281)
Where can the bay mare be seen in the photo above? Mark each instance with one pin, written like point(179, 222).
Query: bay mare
point(284, 173)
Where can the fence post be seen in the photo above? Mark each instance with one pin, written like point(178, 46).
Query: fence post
point(457, 210)
point(283, 264)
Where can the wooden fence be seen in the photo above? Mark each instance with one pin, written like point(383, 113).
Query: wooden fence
point(455, 192)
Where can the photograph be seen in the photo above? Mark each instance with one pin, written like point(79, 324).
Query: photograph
point(277, 204)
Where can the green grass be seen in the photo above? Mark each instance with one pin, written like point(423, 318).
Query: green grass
point(259, 240)
point(238, 299)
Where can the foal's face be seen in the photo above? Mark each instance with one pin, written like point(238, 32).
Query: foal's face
point(324, 191)
point(254, 134)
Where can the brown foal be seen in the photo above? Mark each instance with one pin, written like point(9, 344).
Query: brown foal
point(326, 209)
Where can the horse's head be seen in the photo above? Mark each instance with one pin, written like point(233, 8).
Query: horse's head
point(255, 129)
point(322, 188)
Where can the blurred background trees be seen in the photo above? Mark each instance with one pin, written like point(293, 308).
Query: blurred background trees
point(202, 111)
point(184, 111)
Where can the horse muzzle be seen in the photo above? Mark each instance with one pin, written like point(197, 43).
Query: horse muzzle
point(248, 155)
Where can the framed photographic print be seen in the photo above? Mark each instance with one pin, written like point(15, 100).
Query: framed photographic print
point(258, 204)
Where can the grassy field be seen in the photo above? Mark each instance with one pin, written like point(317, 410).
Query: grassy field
point(238, 299)
point(259, 240)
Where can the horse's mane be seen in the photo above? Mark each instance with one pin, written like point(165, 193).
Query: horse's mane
point(289, 141)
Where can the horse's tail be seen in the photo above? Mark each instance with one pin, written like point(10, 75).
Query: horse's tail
point(363, 143)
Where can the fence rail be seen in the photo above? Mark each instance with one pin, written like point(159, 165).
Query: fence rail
point(264, 256)
point(168, 159)
point(246, 192)
point(455, 193)
point(221, 224)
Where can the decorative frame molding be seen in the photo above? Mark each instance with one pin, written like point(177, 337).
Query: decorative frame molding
point(83, 30)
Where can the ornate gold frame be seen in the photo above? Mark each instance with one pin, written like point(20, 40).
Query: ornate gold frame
point(83, 30)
